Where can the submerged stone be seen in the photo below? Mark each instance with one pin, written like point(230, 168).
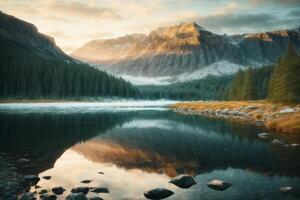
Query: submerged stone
point(86, 181)
point(264, 135)
point(218, 185)
point(95, 198)
point(32, 179)
point(76, 196)
point(158, 193)
point(47, 177)
point(83, 190)
point(100, 190)
point(58, 190)
point(286, 189)
point(183, 181)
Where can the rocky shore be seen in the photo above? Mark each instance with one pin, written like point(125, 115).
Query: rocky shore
point(11, 183)
point(273, 117)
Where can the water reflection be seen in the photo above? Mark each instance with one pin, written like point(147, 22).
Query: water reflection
point(140, 150)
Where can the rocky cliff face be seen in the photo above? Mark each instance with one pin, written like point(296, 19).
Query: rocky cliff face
point(22, 38)
point(185, 48)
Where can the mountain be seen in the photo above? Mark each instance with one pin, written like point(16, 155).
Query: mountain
point(186, 51)
point(18, 37)
point(32, 66)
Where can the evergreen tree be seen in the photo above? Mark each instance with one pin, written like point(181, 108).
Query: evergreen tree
point(247, 88)
point(284, 85)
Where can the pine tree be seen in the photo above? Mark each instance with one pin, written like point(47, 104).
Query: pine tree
point(247, 88)
point(284, 85)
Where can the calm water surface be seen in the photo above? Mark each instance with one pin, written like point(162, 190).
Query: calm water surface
point(141, 148)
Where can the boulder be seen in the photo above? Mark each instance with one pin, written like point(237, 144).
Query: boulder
point(32, 179)
point(86, 181)
point(100, 190)
point(100, 172)
point(264, 135)
point(218, 185)
point(76, 196)
point(183, 181)
point(286, 189)
point(58, 190)
point(83, 190)
point(158, 193)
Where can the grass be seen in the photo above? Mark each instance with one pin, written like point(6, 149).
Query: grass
point(261, 110)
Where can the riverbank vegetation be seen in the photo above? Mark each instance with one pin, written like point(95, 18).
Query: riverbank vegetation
point(276, 117)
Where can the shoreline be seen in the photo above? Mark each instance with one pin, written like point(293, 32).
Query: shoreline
point(271, 116)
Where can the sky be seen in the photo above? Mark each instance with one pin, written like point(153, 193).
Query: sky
point(75, 22)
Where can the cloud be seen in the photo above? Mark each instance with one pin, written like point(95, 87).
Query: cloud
point(248, 22)
point(83, 10)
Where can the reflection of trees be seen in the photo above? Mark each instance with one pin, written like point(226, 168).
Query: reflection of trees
point(44, 137)
point(206, 145)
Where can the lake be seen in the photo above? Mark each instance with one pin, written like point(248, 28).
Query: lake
point(138, 146)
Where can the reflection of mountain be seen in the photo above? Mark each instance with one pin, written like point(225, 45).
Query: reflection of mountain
point(44, 137)
point(176, 148)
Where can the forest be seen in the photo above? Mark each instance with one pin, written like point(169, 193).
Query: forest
point(38, 77)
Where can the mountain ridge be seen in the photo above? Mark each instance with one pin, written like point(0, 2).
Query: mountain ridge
point(188, 47)
point(24, 39)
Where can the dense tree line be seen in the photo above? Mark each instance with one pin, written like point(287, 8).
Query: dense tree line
point(285, 80)
point(251, 84)
point(37, 77)
point(209, 88)
point(278, 83)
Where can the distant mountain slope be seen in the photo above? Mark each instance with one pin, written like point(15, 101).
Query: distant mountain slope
point(186, 48)
point(32, 66)
point(18, 37)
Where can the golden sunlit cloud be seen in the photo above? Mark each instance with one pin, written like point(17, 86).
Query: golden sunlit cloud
point(74, 22)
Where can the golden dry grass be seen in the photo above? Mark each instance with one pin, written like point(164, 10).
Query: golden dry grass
point(286, 124)
point(279, 122)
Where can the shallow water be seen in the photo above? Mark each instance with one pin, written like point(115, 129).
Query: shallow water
point(141, 148)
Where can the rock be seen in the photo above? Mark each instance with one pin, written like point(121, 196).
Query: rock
point(37, 187)
point(86, 181)
point(43, 191)
point(83, 190)
point(47, 177)
point(278, 142)
point(183, 181)
point(32, 179)
point(50, 197)
point(251, 107)
point(26, 196)
point(100, 172)
point(23, 160)
point(287, 110)
point(158, 193)
point(100, 190)
point(286, 189)
point(95, 198)
point(264, 135)
point(58, 190)
point(218, 185)
point(259, 123)
point(76, 196)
